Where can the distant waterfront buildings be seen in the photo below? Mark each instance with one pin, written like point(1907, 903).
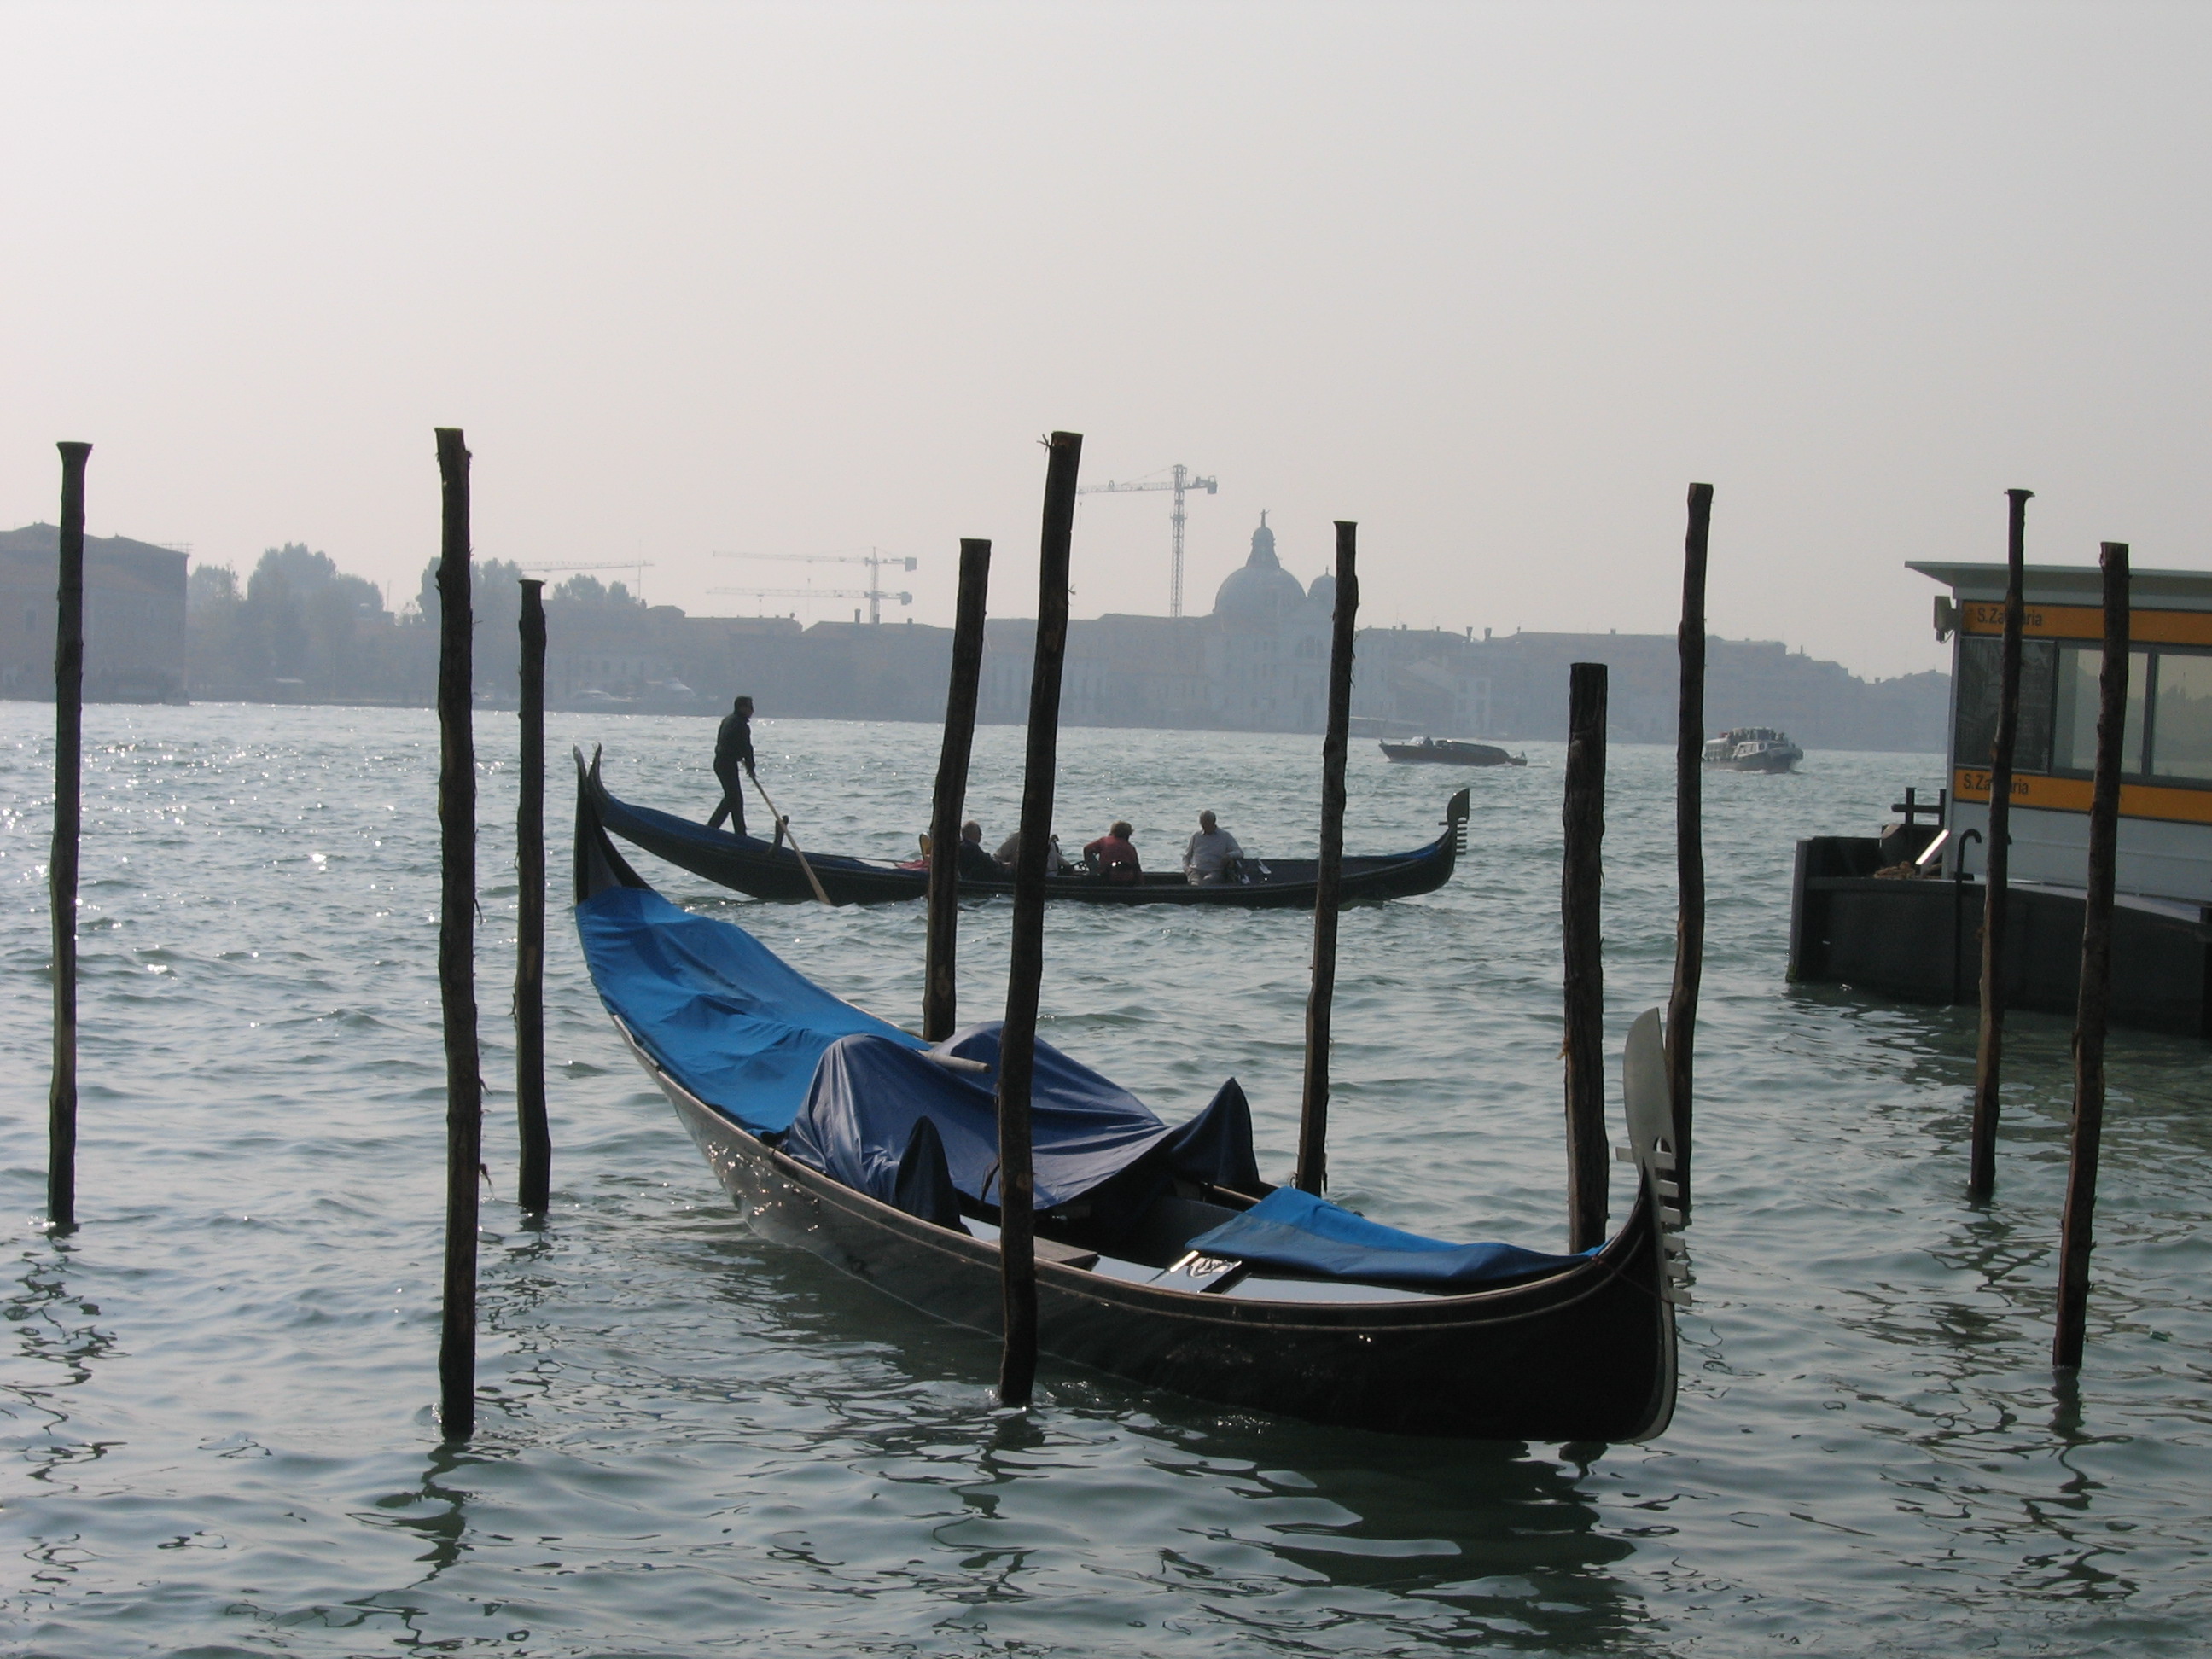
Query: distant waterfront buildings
point(301, 631)
point(134, 617)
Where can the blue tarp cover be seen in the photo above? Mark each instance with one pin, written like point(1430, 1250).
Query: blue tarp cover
point(869, 1096)
point(1300, 1233)
point(755, 1039)
point(721, 1012)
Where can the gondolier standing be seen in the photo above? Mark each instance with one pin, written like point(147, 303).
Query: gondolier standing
point(733, 748)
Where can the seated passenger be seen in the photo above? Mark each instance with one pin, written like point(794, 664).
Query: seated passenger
point(974, 863)
point(1010, 851)
point(1113, 857)
point(1212, 855)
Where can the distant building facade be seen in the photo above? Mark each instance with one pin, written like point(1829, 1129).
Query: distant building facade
point(134, 617)
point(1259, 662)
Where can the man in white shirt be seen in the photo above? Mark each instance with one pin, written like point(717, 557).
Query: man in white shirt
point(1211, 852)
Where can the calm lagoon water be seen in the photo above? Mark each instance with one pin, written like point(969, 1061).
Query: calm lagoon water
point(217, 1394)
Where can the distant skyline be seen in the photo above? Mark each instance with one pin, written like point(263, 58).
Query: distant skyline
point(1497, 281)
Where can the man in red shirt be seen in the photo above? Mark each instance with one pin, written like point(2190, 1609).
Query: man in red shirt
point(1113, 857)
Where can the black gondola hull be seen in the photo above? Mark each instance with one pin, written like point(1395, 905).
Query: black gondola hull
point(1586, 1355)
point(753, 867)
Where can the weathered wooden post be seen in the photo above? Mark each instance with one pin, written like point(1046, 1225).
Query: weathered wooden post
point(534, 1186)
point(1989, 1052)
point(62, 865)
point(1689, 835)
point(1025, 967)
point(2077, 1225)
point(457, 981)
point(1581, 925)
point(940, 990)
point(1312, 1174)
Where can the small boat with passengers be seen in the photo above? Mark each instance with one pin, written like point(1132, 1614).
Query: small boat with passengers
point(752, 866)
point(1752, 749)
point(1450, 752)
point(1161, 1256)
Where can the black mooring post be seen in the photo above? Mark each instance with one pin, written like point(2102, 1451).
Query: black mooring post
point(62, 865)
point(941, 997)
point(1312, 1174)
point(1581, 879)
point(2077, 1225)
point(1689, 836)
point(534, 1186)
point(1025, 967)
point(1996, 856)
point(457, 978)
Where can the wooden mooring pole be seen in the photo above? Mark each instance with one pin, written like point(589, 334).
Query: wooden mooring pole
point(1312, 1175)
point(941, 998)
point(62, 864)
point(534, 1185)
point(1689, 835)
point(1025, 967)
point(2077, 1225)
point(457, 982)
point(1988, 1051)
point(1582, 930)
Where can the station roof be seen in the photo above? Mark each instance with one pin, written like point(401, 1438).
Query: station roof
point(2074, 584)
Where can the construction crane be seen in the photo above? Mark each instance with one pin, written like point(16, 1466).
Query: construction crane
point(874, 596)
point(874, 592)
point(639, 565)
point(1182, 478)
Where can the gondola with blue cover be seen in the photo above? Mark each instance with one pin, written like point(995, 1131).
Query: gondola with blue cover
point(1161, 1255)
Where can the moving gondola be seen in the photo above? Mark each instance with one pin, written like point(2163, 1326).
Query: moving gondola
point(753, 866)
point(1161, 1256)
point(1451, 751)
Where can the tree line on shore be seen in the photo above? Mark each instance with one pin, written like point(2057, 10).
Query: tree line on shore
point(298, 628)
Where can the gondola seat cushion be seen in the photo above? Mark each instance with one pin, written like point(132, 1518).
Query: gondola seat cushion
point(1299, 1233)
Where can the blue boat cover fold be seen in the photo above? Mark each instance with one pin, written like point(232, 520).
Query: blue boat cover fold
point(923, 1186)
point(1300, 1233)
point(859, 1099)
point(716, 1009)
point(1092, 1140)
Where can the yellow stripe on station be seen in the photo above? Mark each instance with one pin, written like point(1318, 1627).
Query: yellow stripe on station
point(2137, 800)
point(2085, 622)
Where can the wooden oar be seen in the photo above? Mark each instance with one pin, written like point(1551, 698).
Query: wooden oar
point(784, 823)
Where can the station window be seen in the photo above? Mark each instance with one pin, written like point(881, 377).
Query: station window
point(2074, 723)
point(2181, 717)
point(2169, 726)
point(1979, 662)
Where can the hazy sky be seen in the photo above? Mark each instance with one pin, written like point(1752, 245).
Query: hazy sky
point(1497, 281)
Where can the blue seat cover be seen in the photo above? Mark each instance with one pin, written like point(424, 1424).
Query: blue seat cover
point(720, 1011)
point(1300, 1233)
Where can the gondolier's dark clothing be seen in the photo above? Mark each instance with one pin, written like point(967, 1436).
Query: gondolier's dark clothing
point(734, 750)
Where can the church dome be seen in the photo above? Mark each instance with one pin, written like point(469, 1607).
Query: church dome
point(1261, 588)
point(1323, 592)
